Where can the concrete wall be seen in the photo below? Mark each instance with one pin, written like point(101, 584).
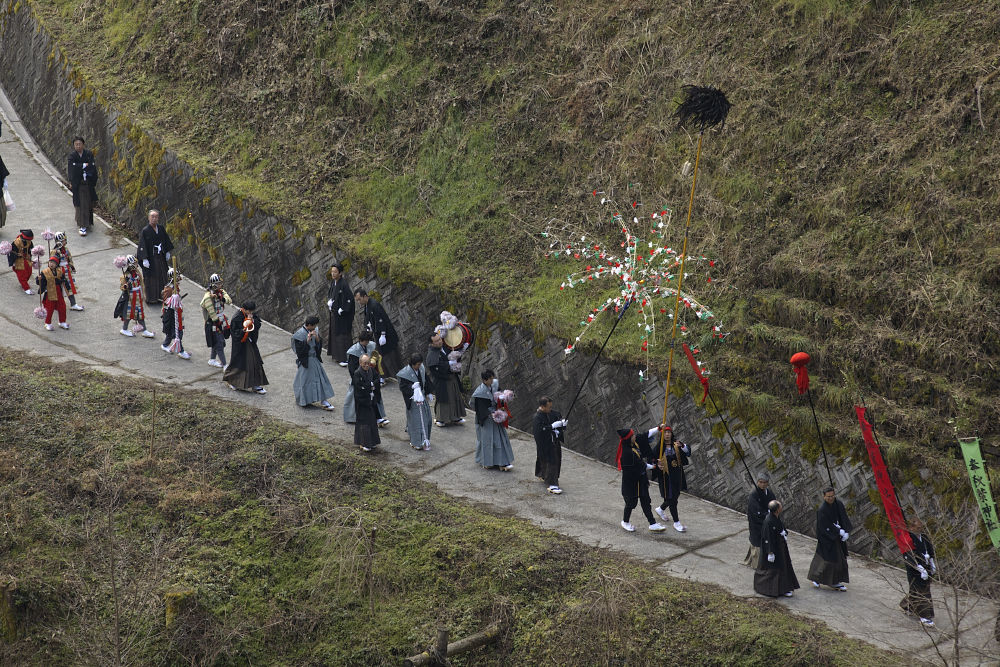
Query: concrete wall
point(272, 262)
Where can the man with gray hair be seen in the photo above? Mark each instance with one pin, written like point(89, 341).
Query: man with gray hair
point(154, 254)
point(756, 511)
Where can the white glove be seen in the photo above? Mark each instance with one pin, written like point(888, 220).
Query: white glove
point(5, 184)
point(381, 339)
point(649, 466)
point(145, 263)
point(923, 572)
point(340, 311)
point(784, 534)
point(430, 398)
point(770, 558)
point(933, 567)
point(168, 256)
point(418, 394)
point(559, 423)
point(844, 535)
point(329, 304)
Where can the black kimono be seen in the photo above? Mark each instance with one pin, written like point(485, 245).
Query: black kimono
point(154, 244)
point(918, 599)
point(774, 578)
point(829, 564)
point(548, 446)
point(448, 406)
point(674, 480)
point(635, 483)
point(3, 205)
point(341, 318)
point(83, 185)
point(246, 368)
point(377, 322)
point(366, 400)
point(756, 511)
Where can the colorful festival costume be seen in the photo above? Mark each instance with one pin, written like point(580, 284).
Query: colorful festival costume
point(50, 290)
point(61, 250)
point(213, 309)
point(19, 258)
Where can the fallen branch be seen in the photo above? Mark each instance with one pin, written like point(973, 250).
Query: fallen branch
point(432, 657)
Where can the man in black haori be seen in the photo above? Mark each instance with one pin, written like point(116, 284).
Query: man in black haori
point(829, 565)
point(448, 405)
point(365, 385)
point(82, 173)
point(549, 429)
point(154, 253)
point(246, 368)
point(920, 567)
point(634, 459)
point(383, 333)
point(774, 575)
point(340, 301)
point(756, 511)
point(673, 480)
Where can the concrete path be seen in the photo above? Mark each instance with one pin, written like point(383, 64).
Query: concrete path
point(589, 510)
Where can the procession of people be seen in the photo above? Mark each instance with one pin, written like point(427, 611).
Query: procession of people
point(362, 338)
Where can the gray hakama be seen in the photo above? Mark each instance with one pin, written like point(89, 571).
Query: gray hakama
point(353, 361)
point(418, 415)
point(492, 444)
point(311, 385)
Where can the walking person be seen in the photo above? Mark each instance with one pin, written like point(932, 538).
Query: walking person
point(829, 564)
point(311, 384)
point(448, 406)
point(81, 171)
point(154, 253)
point(340, 302)
point(363, 347)
point(757, 504)
point(417, 388)
point(213, 309)
point(672, 480)
point(548, 428)
point(129, 306)
point(774, 575)
point(51, 281)
point(172, 316)
point(19, 258)
point(383, 333)
point(493, 448)
point(920, 567)
point(634, 459)
point(366, 385)
point(246, 368)
point(61, 250)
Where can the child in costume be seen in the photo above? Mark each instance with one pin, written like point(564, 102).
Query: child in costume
point(172, 316)
point(19, 258)
point(213, 309)
point(129, 305)
point(66, 263)
point(50, 282)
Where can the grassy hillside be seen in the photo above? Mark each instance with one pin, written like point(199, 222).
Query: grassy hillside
point(850, 201)
point(230, 538)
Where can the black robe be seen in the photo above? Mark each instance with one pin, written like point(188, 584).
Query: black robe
point(756, 511)
point(675, 480)
point(154, 246)
point(635, 483)
point(829, 564)
point(777, 578)
point(377, 322)
point(246, 368)
point(340, 324)
point(78, 175)
point(918, 599)
point(366, 399)
point(548, 445)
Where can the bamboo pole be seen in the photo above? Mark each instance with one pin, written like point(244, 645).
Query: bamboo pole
point(680, 284)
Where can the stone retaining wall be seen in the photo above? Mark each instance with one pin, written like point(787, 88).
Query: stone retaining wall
point(274, 263)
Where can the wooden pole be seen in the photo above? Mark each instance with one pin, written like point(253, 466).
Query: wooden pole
point(680, 284)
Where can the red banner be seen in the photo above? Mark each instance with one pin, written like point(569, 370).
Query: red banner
point(697, 371)
point(892, 509)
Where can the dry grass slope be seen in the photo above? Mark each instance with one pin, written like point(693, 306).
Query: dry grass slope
point(851, 198)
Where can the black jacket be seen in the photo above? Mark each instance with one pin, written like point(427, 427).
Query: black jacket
point(79, 175)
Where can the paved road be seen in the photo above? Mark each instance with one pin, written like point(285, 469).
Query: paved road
point(589, 510)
